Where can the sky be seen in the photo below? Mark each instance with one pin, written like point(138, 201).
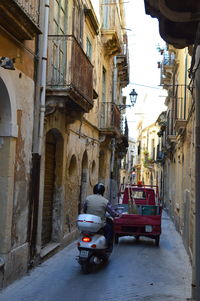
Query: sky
point(143, 39)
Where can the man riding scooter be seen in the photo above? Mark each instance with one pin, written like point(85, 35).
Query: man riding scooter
point(96, 204)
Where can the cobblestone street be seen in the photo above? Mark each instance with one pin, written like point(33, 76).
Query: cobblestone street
point(137, 271)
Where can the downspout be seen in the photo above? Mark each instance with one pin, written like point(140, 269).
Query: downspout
point(113, 140)
point(197, 173)
point(196, 261)
point(112, 162)
point(40, 87)
point(43, 75)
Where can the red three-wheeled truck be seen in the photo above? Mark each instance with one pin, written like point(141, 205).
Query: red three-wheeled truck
point(141, 212)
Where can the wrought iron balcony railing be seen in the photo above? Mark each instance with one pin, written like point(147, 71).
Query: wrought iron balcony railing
point(69, 70)
point(20, 18)
point(31, 8)
point(110, 118)
point(123, 63)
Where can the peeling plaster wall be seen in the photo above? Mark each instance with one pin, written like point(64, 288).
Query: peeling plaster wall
point(25, 102)
point(81, 139)
point(78, 138)
point(16, 154)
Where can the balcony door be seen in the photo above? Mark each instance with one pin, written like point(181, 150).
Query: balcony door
point(58, 42)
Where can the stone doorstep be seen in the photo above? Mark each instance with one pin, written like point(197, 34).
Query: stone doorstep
point(52, 246)
point(49, 248)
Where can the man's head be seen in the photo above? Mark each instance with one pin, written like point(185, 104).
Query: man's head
point(99, 189)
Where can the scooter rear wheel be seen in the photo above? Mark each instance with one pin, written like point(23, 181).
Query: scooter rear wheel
point(85, 267)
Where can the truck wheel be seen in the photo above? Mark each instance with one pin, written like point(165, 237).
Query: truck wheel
point(137, 237)
point(157, 240)
point(116, 239)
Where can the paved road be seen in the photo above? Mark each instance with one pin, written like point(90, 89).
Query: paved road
point(137, 271)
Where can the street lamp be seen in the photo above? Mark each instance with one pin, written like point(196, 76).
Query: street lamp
point(133, 97)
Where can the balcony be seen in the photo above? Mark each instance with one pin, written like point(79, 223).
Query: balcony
point(160, 157)
point(111, 30)
point(20, 18)
point(180, 125)
point(123, 64)
point(69, 74)
point(167, 67)
point(170, 132)
point(181, 110)
point(110, 123)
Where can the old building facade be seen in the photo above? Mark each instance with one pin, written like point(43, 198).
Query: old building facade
point(127, 170)
point(147, 169)
point(181, 168)
point(178, 141)
point(19, 27)
point(61, 129)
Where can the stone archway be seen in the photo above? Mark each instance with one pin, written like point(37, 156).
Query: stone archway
point(84, 180)
point(8, 134)
point(53, 194)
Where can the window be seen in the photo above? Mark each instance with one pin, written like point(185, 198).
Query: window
point(103, 104)
point(106, 10)
point(77, 22)
point(59, 43)
point(89, 49)
point(153, 149)
point(104, 85)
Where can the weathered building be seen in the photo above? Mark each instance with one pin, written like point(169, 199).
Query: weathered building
point(19, 26)
point(178, 142)
point(146, 165)
point(127, 170)
point(86, 71)
point(179, 26)
point(61, 129)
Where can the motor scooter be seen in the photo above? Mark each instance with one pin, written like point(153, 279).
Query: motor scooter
point(92, 246)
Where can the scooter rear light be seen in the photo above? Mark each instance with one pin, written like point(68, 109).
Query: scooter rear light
point(93, 246)
point(86, 239)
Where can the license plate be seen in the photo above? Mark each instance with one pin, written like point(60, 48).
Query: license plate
point(148, 228)
point(84, 253)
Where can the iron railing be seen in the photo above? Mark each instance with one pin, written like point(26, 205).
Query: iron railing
point(68, 66)
point(168, 58)
point(31, 8)
point(183, 102)
point(110, 117)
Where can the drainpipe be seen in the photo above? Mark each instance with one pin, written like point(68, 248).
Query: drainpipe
point(43, 75)
point(196, 262)
point(197, 172)
point(112, 162)
point(40, 87)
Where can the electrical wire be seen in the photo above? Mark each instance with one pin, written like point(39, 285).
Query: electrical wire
point(146, 86)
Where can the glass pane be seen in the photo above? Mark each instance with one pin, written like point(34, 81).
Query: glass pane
point(63, 4)
point(55, 11)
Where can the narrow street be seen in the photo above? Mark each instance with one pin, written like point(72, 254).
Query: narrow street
point(137, 271)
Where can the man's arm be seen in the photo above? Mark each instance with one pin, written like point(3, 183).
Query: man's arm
point(111, 210)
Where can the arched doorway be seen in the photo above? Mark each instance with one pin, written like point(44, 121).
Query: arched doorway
point(8, 134)
point(84, 181)
point(51, 200)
